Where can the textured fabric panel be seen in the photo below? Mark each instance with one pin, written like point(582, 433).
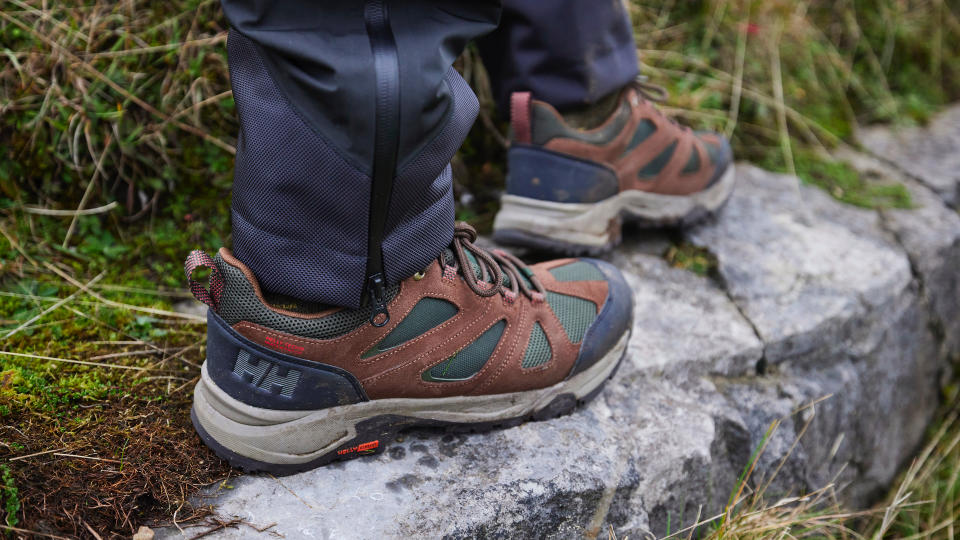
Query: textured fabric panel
point(546, 127)
point(240, 303)
point(427, 314)
point(300, 211)
point(538, 348)
point(577, 271)
point(421, 216)
point(566, 52)
point(286, 382)
point(575, 314)
point(470, 359)
point(319, 53)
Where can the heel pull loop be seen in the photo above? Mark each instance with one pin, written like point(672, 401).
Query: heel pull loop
point(199, 259)
point(520, 117)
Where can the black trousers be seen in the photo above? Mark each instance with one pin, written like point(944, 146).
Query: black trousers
point(350, 112)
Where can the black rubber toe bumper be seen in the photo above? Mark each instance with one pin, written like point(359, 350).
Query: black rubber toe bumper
point(615, 319)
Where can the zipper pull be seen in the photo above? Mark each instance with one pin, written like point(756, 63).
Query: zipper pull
point(376, 293)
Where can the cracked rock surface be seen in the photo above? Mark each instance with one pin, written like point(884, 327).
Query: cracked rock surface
point(929, 154)
point(814, 301)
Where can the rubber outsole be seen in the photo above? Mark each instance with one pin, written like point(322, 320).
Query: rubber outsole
point(384, 429)
point(522, 238)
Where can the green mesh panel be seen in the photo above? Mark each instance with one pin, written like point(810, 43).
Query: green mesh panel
point(693, 165)
point(239, 302)
point(652, 169)
point(645, 129)
point(538, 348)
point(427, 314)
point(575, 314)
point(468, 360)
point(545, 125)
point(577, 271)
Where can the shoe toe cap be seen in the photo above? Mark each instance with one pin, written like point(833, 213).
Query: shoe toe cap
point(612, 322)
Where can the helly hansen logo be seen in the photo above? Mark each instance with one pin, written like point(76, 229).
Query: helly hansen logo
point(266, 375)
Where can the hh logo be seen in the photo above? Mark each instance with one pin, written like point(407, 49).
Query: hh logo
point(266, 375)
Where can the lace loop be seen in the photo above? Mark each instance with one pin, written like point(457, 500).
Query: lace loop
point(650, 91)
point(493, 265)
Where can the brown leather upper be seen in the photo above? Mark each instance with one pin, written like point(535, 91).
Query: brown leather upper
point(627, 165)
point(398, 372)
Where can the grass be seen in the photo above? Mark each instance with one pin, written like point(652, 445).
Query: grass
point(117, 133)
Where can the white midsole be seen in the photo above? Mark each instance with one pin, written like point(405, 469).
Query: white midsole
point(292, 437)
point(588, 224)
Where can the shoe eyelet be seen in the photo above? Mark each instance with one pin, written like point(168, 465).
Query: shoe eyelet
point(418, 276)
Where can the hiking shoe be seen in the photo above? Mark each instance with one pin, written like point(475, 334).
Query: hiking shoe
point(476, 340)
point(568, 187)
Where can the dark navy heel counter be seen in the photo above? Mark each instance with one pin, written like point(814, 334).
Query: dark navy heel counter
point(546, 175)
point(268, 379)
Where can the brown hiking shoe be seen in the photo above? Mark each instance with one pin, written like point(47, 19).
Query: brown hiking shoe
point(569, 187)
point(477, 339)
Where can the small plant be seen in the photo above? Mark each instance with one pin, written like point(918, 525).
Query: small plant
point(687, 256)
point(9, 496)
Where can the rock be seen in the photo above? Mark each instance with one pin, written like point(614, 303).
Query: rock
point(684, 325)
point(191, 307)
point(930, 234)
point(834, 322)
point(927, 153)
point(143, 533)
point(800, 284)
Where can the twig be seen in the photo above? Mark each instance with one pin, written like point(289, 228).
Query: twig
point(153, 311)
point(219, 38)
point(31, 209)
point(125, 354)
point(157, 292)
point(89, 528)
point(94, 458)
point(737, 93)
point(18, 458)
point(72, 361)
point(33, 533)
point(53, 307)
point(200, 104)
point(220, 525)
point(89, 191)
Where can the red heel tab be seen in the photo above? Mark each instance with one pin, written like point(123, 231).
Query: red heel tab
point(520, 116)
point(199, 259)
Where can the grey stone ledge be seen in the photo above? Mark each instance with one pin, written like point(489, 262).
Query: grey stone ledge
point(853, 309)
point(930, 154)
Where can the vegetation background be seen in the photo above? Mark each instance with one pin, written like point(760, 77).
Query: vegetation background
point(117, 134)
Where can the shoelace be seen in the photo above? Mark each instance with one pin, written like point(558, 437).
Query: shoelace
point(650, 91)
point(657, 94)
point(492, 265)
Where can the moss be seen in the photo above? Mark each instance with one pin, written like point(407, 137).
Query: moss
point(845, 184)
point(690, 257)
point(9, 496)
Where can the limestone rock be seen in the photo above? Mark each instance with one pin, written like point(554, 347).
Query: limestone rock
point(834, 321)
point(927, 153)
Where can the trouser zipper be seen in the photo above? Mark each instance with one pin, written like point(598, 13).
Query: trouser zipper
point(386, 140)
